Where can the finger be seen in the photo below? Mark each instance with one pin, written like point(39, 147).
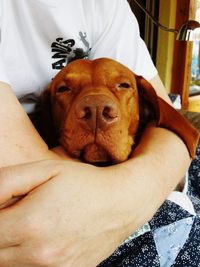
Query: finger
point(10, 202)
point(20, 179)
point(11, 228)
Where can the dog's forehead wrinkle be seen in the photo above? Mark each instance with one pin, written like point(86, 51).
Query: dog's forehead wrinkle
point(105, 77)
point(117, 75)
point(77, 76)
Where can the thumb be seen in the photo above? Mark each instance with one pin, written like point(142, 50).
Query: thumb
point(16, 181)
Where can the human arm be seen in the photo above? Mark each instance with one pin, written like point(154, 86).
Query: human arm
point(19, 140)
point(160, 88)
point(123, 216)
point(36, 176)
point(127, 188)
point(125, 197)
point(97, 206)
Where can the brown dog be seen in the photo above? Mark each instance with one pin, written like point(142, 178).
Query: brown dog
point(99, 109)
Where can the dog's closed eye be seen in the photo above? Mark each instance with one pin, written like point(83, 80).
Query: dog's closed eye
point(124, 85)
point(63, 89)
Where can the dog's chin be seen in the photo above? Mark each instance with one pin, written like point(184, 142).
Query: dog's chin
point(95, 154)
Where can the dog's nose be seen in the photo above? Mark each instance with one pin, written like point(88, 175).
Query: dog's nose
point(97, 112)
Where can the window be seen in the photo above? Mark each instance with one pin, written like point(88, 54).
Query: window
point(148, 30)
point(195, 65)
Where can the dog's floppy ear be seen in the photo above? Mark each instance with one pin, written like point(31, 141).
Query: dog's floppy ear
point(154, 108)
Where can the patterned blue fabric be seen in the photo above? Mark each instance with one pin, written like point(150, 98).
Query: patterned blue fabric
point(173, 236)
point(170, 239)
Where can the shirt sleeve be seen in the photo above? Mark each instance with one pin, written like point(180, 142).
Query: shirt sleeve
point(3, 75)
point(118, 37)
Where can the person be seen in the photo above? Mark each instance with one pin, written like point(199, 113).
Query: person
point(72, 214)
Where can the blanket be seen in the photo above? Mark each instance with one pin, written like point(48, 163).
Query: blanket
point(172, 237)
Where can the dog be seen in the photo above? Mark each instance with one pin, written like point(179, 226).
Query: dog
point(97, 110)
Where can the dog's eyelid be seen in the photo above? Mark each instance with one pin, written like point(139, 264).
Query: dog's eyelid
point(124, 85)
point(63, 89)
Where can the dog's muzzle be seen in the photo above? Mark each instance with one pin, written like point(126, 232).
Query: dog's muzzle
point(96, 112)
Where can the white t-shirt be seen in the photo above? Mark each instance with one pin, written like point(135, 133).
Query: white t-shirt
point(39, 37)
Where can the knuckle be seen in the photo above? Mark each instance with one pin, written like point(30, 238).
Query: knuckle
point(41, 254)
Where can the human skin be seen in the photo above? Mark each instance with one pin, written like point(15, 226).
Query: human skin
point(71, 208)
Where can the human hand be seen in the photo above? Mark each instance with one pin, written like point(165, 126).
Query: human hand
point(63, 222)
point(56, 153)
point(81, 213)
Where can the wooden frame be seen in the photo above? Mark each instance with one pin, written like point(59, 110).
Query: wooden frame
point(182, 53)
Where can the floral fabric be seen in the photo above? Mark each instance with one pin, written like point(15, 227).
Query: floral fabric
point(171, 238)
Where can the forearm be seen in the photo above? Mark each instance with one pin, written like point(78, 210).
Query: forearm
point(108, 203)
point(141, 184)
point(160, 89)
point(19, 140)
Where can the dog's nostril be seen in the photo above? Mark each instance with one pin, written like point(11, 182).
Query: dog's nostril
point(109, 113)
point(87, 113)
point(96, 112)
point(106, 113)
point(84, 113)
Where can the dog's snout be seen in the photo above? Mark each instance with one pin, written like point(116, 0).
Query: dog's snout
point(97, 111)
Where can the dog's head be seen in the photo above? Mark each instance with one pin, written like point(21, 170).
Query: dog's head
point(95, 109)
point(98, 106)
